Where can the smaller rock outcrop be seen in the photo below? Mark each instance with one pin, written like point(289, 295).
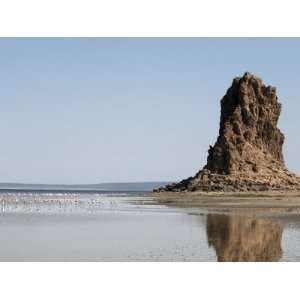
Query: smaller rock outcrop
point(247, 155)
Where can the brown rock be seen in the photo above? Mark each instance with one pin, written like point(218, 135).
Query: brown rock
point(248, 150)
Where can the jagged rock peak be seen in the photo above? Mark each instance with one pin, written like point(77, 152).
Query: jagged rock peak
point(248, 134)
point(248, 152)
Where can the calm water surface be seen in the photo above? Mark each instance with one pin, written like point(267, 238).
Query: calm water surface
point(66, 226)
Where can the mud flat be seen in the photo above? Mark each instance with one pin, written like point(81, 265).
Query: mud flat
point(245, 200)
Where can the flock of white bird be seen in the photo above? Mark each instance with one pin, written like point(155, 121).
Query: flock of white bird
point(37, 202)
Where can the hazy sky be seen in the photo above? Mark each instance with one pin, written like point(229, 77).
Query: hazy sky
point(108, 110)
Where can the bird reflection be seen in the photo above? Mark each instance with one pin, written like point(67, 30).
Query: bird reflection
point(240, 238)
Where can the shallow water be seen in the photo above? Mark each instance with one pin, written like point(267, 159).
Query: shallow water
point(66, 226)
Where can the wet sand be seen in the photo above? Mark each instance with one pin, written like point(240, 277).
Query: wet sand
point(276, 199)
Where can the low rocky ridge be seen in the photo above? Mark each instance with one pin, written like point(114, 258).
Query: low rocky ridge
point(247, 155)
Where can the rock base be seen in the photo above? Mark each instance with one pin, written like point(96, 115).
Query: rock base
point(209, 182)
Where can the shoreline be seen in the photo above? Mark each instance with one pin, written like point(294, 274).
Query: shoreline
point(230, 200)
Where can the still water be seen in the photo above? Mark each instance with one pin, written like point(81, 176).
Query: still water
point(115, 226)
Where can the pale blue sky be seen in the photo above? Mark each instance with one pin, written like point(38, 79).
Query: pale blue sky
point(107, 110)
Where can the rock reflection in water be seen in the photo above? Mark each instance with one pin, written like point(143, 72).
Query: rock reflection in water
point(240, 238)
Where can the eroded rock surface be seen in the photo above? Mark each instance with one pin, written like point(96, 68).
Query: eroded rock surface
point(247, 155)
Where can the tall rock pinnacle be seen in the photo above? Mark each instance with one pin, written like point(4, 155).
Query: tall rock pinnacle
point(248, 152)
point(248, 136)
